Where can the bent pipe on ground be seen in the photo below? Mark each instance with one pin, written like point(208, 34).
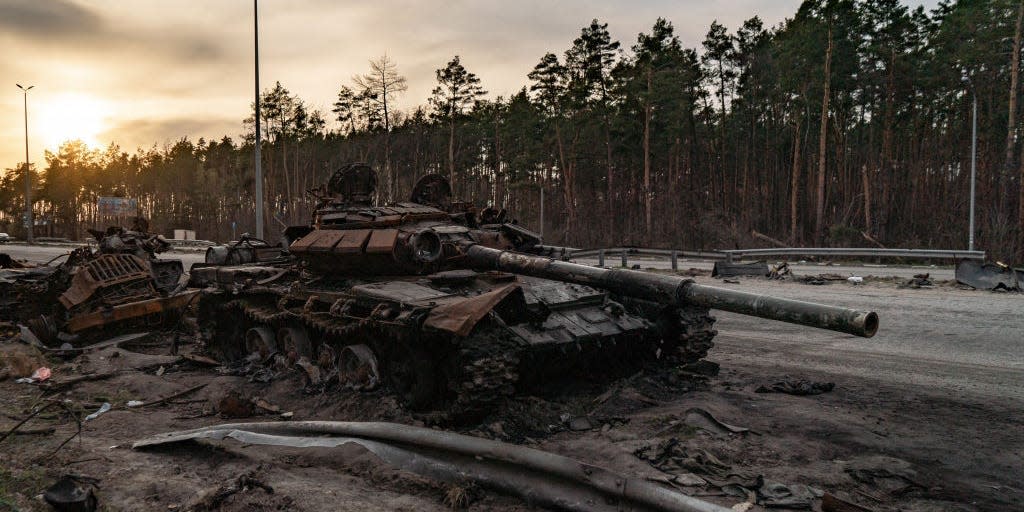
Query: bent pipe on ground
point(536, 475)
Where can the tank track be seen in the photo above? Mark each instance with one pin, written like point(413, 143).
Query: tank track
point(485, 373)
point(474, 378)
point(695, 330)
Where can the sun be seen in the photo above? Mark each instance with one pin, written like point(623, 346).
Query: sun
point(69, 116)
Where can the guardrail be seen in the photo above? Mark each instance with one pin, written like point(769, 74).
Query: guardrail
point(943, 254)
point(623, 253)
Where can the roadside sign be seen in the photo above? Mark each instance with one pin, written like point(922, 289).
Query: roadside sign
point(118, 206)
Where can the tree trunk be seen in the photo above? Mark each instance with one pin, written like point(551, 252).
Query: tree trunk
point(867, 197)
point(568, 194)
point(648, 221)
point(499, 184)
point(794, 187)
point(451, 154)
point(1011, 124)
point(610, 194)
point(819, 214)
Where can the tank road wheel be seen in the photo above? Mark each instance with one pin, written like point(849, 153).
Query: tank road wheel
point(358, 368)
point(260, 340)
point(412, 377)
point(294, 342)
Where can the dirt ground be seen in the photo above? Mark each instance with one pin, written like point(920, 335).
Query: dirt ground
point(926, 416)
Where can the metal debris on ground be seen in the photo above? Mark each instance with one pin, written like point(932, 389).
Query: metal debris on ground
point(733, 269)
point(700, 418)
point(918, 281)
point(821, 279)
point(780, 271)
point(543, 478)
point(72, 493)
point(990, 276)
point(214, 499)
point(799, 387)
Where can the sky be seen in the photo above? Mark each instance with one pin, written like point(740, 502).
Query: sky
point(145, 72)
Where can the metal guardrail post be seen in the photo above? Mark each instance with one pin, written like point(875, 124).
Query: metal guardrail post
point(675, 260)
point(625, 262)
point(600, 258)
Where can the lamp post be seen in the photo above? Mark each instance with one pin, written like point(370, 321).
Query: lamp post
point(974, 165)
point(28, 170)
point(259, 170)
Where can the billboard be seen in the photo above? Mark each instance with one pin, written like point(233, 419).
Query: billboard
point(118, 207)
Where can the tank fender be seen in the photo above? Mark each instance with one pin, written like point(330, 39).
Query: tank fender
point(459, 317)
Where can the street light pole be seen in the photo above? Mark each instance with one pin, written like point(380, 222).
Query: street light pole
point(28, 170)
point(974, 166)
point(259, 170)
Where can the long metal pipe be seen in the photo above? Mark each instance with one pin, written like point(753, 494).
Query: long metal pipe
point(676, 290)
point(558, 479)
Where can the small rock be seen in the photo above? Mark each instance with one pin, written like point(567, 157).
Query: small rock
point(579, 424)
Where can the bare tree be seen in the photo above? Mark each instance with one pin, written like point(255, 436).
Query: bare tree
point(382, 84)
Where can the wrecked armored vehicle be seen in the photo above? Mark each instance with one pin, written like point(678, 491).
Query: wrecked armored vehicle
point(454, 314)
point(117, 285)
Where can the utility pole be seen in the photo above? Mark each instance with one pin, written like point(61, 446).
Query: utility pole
point(974, 166)
point(259, 170)
point(28, 172)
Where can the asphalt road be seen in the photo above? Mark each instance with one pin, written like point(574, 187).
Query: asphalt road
point(962, 342)
point(44, 253)
point(939, 272)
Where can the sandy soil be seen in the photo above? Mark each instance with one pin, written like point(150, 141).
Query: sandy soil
point(925, 416)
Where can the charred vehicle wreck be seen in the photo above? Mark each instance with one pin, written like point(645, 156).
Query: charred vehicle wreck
point(120, 284)
point(455, 310)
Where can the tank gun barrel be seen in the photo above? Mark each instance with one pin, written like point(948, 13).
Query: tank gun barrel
point(677, 290)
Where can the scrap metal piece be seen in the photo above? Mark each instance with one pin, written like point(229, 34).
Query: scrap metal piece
point(106, 271)
point(537, 476)
point(989, 276)
point(72, 493)
point(460, 317)
point(128, 311)
point(733, 269)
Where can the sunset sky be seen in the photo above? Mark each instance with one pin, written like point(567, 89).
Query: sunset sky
point(139, 72)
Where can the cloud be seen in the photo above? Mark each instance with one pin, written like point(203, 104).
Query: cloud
point(48, 19)
point(144, 133)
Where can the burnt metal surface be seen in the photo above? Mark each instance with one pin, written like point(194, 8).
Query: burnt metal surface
point(119, 285)
point(732, 269)
point(989, 276)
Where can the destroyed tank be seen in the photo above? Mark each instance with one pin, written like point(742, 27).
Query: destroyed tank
point(120, 284)
point(454, 314)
